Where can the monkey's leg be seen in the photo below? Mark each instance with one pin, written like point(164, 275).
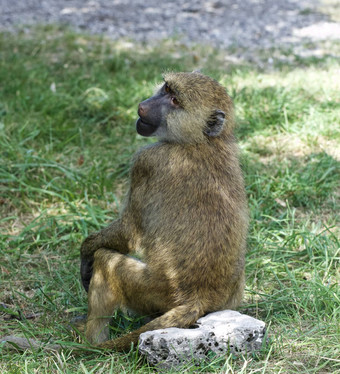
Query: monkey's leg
point(101, 305)
point(121, 281)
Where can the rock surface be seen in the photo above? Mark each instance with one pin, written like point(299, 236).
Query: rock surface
point(217, 333)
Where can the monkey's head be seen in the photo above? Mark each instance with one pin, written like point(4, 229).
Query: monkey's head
point(188, 108)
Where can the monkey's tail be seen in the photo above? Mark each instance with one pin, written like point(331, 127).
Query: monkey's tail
point(181, 316)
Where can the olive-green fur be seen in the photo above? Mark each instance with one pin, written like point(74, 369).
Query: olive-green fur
point(186, 216)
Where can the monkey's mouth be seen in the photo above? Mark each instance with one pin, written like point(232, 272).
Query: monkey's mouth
point(144, 128)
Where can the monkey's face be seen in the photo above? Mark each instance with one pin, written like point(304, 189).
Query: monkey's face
point(188, 108)
point(153, 112)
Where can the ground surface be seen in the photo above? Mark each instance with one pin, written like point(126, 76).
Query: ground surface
point(68, 106)
point(247, 23)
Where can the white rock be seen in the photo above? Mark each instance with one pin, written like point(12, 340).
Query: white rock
point(220, 332)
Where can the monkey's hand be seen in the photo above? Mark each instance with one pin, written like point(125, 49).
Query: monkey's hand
point(87, 250)
point(112, 237)
point(86, 267)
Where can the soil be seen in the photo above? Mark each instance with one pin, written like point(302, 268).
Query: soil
point(246, 24)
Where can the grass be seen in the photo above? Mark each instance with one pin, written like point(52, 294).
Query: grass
point(67, 110)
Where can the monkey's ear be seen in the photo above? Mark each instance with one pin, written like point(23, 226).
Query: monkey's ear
point(215, 123)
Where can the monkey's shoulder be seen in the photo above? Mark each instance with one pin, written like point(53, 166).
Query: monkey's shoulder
point(184, 158)
point(148, 150)
point(152, 155)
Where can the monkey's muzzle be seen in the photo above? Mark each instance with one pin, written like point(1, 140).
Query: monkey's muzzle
point(144, 128)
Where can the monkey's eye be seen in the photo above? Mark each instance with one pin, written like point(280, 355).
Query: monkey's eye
point(174, 101)
point(166, 88)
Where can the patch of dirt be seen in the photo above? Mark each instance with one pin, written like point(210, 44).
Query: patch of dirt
point(246, 25)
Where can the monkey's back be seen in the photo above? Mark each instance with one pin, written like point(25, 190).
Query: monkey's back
point(194, 216)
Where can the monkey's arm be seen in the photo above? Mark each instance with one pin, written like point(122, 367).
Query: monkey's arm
point(115, 237)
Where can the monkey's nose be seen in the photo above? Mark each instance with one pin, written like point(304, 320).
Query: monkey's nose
point(141, 110)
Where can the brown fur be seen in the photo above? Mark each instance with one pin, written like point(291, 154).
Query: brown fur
point(185, 214)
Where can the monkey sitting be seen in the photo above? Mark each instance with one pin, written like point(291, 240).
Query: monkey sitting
point(185, 215)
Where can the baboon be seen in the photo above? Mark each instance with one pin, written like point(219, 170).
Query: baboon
point(185, 215)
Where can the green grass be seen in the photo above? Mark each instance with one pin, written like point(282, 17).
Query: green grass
point(67, 110)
